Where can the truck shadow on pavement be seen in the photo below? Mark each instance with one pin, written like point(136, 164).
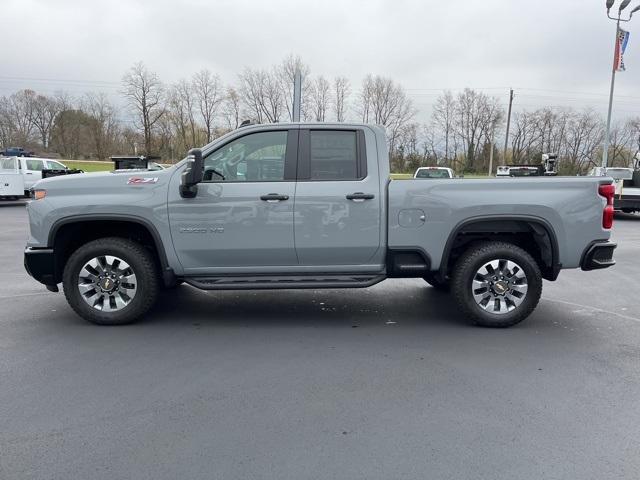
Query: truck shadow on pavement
point(397, 303)
point(373, 306)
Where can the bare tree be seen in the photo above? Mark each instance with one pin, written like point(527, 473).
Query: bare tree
point(443, 117)
point(261, 94)
point(526, 140)
point(181, 112)
point(285, 73)
point(341, 91)
point(585, 134)
point(103, 126)
point(319, 98)
point(45, 110)
point(477, 117)
point(231, 108)
point(384, 102)
point(18, 111)
point(145, 94)
point(208, 90)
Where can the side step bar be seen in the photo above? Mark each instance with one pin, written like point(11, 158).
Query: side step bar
point(237, 282)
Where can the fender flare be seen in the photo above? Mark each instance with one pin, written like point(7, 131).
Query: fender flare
point(539, 221)
point(92, 217)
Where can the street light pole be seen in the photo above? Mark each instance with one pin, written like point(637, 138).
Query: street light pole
point(605, 152)
point(618, 19)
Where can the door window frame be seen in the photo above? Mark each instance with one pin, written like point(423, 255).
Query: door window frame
point(304, 155)
point(290, 156)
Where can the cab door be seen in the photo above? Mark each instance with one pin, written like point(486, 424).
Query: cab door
point(338, 205)
point(241, 219)
point(32, 171)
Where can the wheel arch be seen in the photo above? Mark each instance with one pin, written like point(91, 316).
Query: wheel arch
point(501, 227)
point(68, 233)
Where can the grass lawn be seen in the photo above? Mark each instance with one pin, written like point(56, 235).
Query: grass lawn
point(89, 166)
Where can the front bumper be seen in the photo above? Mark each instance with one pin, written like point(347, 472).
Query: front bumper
point(598, 255)
point(40, 263)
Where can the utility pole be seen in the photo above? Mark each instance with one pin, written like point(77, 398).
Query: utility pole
point(493, 132)
point(506, 137)
point(297, 95)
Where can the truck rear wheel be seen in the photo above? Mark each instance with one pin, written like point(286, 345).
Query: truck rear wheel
point(111, 281)
point(497, 284)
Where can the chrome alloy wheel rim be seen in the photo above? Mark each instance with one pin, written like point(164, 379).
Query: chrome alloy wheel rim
point(107, 283)
point(499, 286)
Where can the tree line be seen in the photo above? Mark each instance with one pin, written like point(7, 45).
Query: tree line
point(169, 119)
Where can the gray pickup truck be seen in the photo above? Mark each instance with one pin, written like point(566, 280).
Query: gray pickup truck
point(310, 206)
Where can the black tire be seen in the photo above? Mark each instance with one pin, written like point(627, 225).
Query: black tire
point(141, 262)
point(469, 264)
point(435, 282)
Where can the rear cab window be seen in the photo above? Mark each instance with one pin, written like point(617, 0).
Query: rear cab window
point(337, 155)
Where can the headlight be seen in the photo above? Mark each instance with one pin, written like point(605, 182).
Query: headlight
point(38, 194)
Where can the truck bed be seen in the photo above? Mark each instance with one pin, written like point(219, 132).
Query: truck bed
point(563, 204)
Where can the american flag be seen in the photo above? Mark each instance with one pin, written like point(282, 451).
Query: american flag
point(621, 46)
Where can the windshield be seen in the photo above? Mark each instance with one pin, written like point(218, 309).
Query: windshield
point(433, 173)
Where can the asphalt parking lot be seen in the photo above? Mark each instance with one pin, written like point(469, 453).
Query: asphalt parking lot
point(384, 383)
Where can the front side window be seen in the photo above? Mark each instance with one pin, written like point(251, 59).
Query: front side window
point(257, 157)
point(56, 165)
point(35, 165)
point(333, 155)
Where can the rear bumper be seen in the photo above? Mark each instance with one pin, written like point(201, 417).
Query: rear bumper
point(598, 255)
point(40, 264)
point(628, 203)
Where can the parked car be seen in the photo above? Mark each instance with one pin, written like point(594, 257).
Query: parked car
point(433, 172)
point(16, 152)
point(114, 239)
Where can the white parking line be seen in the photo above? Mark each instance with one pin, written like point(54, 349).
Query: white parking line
point(595, 309)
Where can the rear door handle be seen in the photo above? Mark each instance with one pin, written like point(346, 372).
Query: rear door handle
point(359, 196)
point(274, 197)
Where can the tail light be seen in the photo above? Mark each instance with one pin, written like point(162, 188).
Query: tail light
point(607, 191)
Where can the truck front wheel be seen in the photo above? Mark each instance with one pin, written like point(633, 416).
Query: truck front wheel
point(496, 284)
point(111, 281)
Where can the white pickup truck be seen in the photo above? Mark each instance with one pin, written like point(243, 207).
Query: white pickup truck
point(29, 171)
point(627, 183)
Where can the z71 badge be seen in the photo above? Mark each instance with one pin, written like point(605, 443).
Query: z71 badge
point(141, 180)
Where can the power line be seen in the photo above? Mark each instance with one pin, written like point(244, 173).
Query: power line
point(58, 80)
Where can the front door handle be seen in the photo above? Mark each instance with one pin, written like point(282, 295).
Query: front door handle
point(274, 197)
point(359, 196)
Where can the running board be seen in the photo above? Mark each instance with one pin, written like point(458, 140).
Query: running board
point(262, 282)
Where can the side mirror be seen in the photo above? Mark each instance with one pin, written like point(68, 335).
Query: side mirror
point(192, 176)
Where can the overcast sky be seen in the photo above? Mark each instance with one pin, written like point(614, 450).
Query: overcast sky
point(551, 52)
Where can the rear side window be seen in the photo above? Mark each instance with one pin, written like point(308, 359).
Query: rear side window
point(333, 155)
